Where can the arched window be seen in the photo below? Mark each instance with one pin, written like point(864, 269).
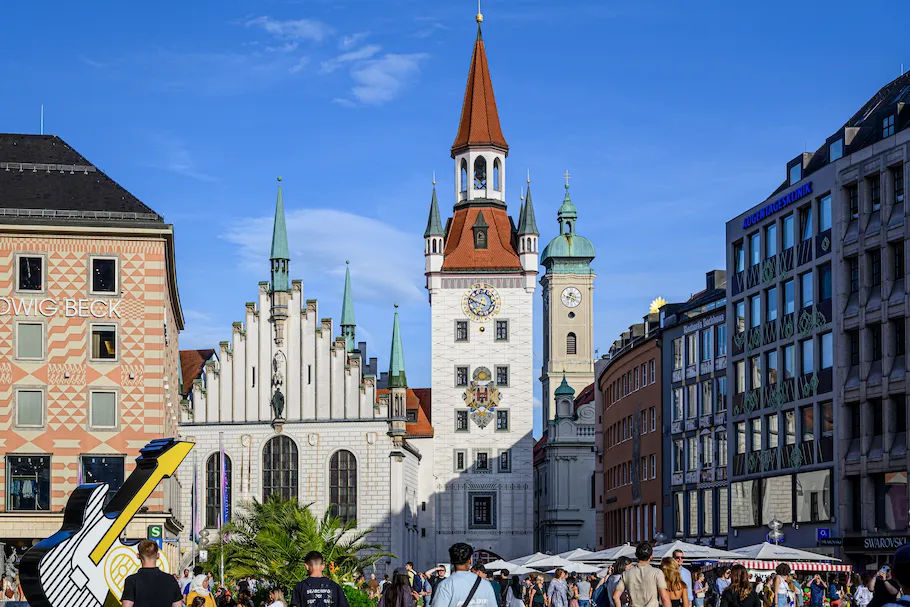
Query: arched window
point(213, 490)
point(434, 245)
point(568, 227)
point(480, 173)
point(570, 343)
point(343, 485)
point(279, 468)
point(496, 174)
point(464, 175)
point(480, 239)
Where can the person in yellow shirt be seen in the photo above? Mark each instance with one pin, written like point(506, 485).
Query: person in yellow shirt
point(199, 587)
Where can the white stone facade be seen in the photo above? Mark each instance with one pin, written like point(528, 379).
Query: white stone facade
point(449, 493)
point(329, 406)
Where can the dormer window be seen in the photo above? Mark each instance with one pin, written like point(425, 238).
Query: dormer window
point(796, 173)
point(480, 173)
point(480, 232)
point(888, 126)
point(835, 150)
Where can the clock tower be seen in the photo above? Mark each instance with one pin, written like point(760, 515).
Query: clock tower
point(568, 309)
point(481, 271)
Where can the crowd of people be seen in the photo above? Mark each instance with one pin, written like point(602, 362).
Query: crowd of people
point(629, 583)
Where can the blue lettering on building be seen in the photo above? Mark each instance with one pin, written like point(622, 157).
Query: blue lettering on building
point(800, 192)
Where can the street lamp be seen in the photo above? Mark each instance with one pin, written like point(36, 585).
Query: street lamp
point(775, 536)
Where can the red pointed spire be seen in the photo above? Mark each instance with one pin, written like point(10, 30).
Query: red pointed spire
point(479, 123)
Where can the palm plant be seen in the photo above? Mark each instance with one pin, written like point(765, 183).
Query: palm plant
point(269, 540)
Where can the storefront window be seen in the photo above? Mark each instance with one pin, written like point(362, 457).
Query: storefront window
point(813, 497)
point(28, 482)
point(103, 470)
point(777, 496)
point(744, 504)
point(678, 513)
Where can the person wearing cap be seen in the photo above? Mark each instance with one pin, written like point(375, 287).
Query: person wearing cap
point(463, 588)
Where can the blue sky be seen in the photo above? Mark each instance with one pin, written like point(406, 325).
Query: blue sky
point(671, 116)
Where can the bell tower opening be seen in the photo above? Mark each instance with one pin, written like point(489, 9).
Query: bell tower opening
point(480, 173)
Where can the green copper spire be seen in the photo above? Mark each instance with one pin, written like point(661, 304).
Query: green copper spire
point(434, 223)
point(567, 213)
point(564, 388)
point(527, 223)
point(397, 377)
point(280, 257)
point(347, 310)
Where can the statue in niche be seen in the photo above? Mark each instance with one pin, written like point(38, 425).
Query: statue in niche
point(278, 403)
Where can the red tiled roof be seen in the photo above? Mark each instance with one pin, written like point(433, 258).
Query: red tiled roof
point(419, 399)
point(191, 365)
point(460, 253)
point(479, 124)
point(585, 396)
point(540, 448)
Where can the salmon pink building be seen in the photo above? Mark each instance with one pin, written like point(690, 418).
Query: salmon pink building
point(89, 316)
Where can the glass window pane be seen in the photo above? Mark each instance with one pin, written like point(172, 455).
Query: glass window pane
point(773, 436)
point(806, 290)
point(788, 297)
point(30, 340)
point(693, 513)
point(755, 248)
point(788, 231)
point(30, 273)
point(756, 433)
point(740, 307)
point(771, 366)
point(754, 311)
point(827, 350)
point(104, 410)
point(722, 526)
point(29, 408)
point(824, 214)
point(721, 331)
point(777, 496)
point(808, 423)
point(104, 342)
point(807, 349)
point(744, 504)
point(795, 173)
point(790, 427)
point(789, 362)
point(707, 398)
point(28, 482)
point(771, 241)
point(836, 150)
point(103, 470)
point(104, 275)
point(772, 303)
point(813, 496)
point(739, 257)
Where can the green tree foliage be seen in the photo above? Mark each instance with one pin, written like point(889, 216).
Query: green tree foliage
point(269, 540)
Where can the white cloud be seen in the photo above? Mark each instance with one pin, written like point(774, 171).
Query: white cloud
point(360, 54)
point(172, 155)
point(292, 29)
point(352, 40)
point(344, 102)
point(301, 63)
point(380, 80)
point(386, 264)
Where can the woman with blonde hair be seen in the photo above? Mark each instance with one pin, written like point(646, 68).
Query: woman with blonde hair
point(276, 598)
point(676, 587)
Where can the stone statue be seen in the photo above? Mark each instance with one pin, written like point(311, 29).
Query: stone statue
point(10, 569)
point(278, 403)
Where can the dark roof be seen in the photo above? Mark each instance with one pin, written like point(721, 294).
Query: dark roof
point(585, 396)
point(192, 363)
point(890, 99)
point(44, 173)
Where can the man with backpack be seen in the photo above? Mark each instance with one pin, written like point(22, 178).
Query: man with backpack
point(463, 588)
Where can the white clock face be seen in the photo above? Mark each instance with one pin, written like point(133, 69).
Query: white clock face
point(571, 297)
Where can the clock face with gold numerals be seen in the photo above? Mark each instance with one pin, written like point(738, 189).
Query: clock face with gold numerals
point(571, 297)
point(481, 302)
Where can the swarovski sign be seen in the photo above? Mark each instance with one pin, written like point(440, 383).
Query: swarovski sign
point(70, 308)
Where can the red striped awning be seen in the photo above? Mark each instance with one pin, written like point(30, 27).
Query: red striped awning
point(795, 565)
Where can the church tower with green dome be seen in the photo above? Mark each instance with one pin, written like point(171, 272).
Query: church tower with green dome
point(568, 309)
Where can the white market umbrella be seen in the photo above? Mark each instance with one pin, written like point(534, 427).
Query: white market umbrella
point(550, 562)
point(499, 564)
point(524, 560)
point(775, 552)
point(579, 568)
point(579, 554)
point(693, 552)
point(519, 570)
point(611, 554)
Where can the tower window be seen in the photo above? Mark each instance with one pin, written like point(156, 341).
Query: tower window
point(480, 173)
point(480, 239)
point(570, 344)
point(502, 330)
point(461, 330)
point(434, 245)
point(464, 175)
point(496, 185)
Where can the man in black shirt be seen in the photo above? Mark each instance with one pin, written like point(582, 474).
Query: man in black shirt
point(316, 590)
point(150, 587)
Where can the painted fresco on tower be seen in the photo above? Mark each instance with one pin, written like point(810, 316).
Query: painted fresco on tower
point(482, 397)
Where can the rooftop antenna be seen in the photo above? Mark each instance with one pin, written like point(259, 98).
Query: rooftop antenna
point(42, 119)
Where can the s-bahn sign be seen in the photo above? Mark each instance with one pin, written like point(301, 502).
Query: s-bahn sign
point(70, 308)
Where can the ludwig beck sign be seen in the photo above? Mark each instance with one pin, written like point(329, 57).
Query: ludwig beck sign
point(70, 308)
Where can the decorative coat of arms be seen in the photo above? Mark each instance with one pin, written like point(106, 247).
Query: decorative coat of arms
point(482, 397)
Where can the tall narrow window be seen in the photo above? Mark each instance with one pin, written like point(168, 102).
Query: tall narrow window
point(796, 173)
point(805, 223)
point(771, 241)
point(824, 214)
point(754, 311)
point(853, 262)
point(570, 343)
point(805, 286)
point(721, 340)
point(740, 314)
point(104, 275)
point(807, 356)
point(875, 259)
point(279, 468)
point(464, 175)
point(30, 274)
point(213, 490)
point(897, 177)
point(897, 252)
point(771, 305)
point(875, 192)
point(853, 198)
point(739, 256)
point(755, 248)
point(480, 173)
point(875, 333)
point(789, 362)
point(836, 150)
point(824, 282)
point(788, 232)
point(789, 304)
point(496, 185)
point(343, 485)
